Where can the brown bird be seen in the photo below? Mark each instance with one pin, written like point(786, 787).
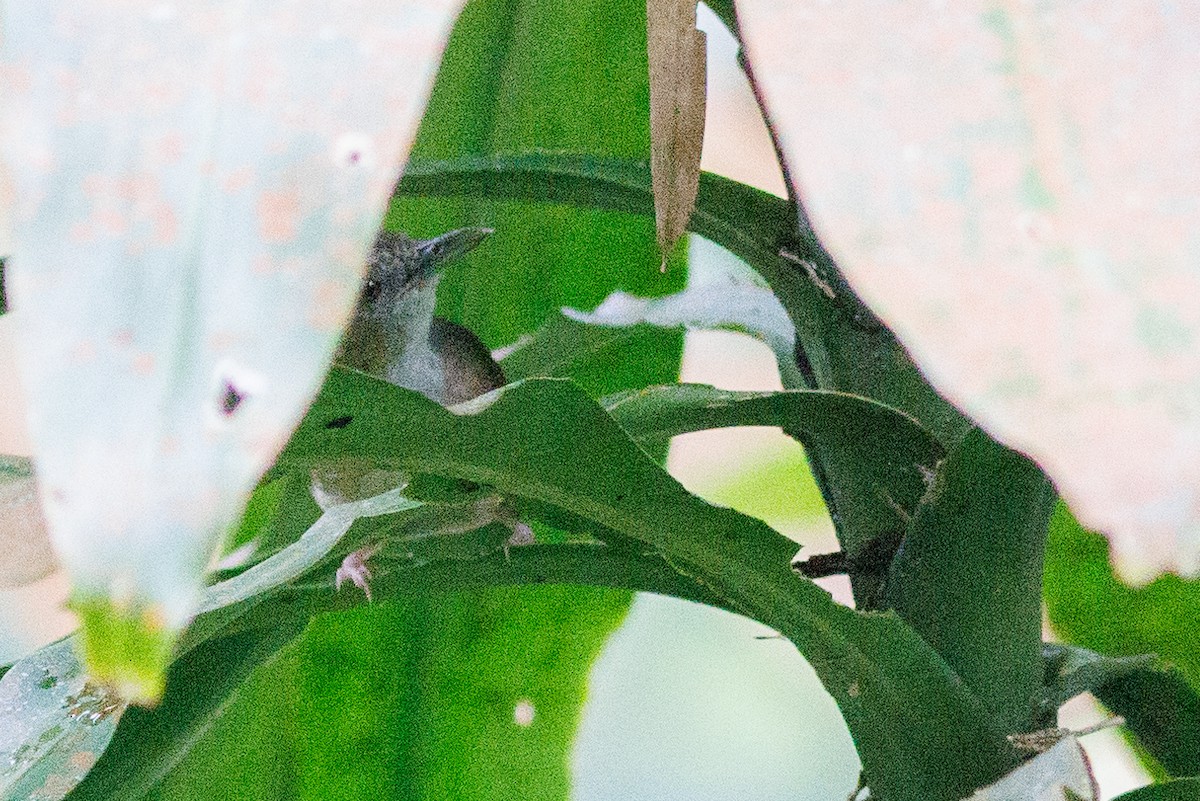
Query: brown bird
point(393, 334)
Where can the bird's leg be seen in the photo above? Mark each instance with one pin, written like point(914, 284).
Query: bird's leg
point(438, 520)
point(355, 570)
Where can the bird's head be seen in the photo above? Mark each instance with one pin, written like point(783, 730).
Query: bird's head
point(399, 265)
point(395, 304)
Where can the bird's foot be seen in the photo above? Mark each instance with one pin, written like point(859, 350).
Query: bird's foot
point(354, 569)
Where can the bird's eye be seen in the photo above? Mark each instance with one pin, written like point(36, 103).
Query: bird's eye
point(371, 289)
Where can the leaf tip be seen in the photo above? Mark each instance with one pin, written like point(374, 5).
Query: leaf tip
point(125, 647)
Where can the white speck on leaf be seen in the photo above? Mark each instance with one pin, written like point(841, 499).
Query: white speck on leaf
point(354, 150)
point(523, 713)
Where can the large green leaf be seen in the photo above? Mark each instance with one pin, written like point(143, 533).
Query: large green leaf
point(969, 575)
point(1088, 605)
point(559, 457)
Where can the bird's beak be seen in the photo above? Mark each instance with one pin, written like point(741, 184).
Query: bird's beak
point(437, 252)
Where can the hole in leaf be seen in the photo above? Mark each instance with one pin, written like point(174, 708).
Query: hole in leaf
point(231, 399)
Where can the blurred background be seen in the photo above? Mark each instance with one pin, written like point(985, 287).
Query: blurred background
point(682, 701)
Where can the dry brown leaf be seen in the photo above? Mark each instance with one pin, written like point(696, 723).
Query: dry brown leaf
point(1015, 188)
point(677, 85)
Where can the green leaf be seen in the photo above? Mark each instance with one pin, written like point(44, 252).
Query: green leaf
point(1178, 790)
point(53, 724)
point(1071, 670)
point(878, 432)
point(1162, 709)
point(558, 456)
point(1091, 607)
point(969, 574)
point(892, 451)
point(150, 742)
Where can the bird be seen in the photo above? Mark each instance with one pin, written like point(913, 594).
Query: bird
point(393, 334)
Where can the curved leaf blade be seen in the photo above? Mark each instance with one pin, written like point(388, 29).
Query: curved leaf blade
point(893, 456)
point(1162, 709)
point(553, 451)
point(1089, 605)
point(968, 576)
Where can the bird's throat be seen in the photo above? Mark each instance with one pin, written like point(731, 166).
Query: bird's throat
point(393, 344)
